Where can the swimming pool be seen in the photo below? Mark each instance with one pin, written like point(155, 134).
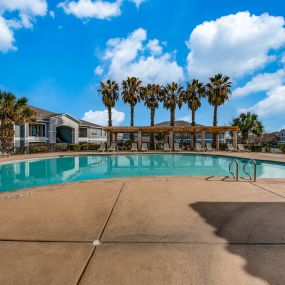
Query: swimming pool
point(38, 172)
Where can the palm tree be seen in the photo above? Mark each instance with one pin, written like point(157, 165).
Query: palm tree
point(110, 94)
point(218, 92)
point(248, 124)
point(131, 94)
point(192, 96)
point(12, 111)
point(172, 97)
point(151, 95)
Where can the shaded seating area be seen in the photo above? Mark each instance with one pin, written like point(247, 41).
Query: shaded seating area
point(168, 133)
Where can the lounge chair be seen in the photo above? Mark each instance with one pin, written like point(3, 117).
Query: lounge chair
point(134, 147)
point(242, 148)
point(166, 147)
point(102, 147)
point(198, 147)
point(113, 147)
point(144, 147)
point(209, 147)
point(230, 147)
point(2, 154)
point(177, 147)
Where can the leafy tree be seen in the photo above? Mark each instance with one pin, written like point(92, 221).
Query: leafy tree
point(192, 96)
point(249, 124)
point(12, 111)
point(110, 94)
point(172, 98)
point(131, 94)
point(218, 92)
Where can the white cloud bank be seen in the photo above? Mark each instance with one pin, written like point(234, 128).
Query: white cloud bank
point(261, 82)
point(92, 9)
point(134, 56)
point(273, 104)
point(23, 14)
point(101, 117)
point(234, 45)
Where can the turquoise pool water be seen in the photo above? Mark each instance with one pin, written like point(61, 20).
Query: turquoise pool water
point(18, 175)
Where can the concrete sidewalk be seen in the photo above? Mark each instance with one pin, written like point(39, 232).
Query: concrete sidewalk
point(170, 230)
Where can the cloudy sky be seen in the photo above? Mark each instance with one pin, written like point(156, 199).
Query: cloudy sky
point(56, 52)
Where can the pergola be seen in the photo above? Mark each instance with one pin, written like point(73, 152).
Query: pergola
point(170, 130)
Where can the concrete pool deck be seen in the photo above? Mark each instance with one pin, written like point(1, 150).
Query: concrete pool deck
point(152, 230)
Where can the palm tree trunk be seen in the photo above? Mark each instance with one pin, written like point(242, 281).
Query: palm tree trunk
point(152, 114)
point(6, 136)
point(132, 121)
point(215, 122)
point(193, 118)
point(132, 115)
point(109, 116)
point(172, 116)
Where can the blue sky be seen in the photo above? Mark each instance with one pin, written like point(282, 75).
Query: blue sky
point(56, 52)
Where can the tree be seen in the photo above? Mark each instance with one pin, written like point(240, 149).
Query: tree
point(131, 94)
point(172, 97)
point(192, 96)
point(249, 124)
point(12, 111)
point(151, 95)
point(110, 94)
point(218, 92)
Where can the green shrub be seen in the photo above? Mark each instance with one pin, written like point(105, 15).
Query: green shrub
point(38, 148)
point(93, 146)
point(84, 146)
point(256, 148)
point(74, 147)
point(223, 146)
point(127, 145)
point(282, 147)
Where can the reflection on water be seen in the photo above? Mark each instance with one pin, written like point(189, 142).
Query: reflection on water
point(68, 169)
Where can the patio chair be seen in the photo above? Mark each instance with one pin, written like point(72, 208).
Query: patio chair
point(134, 147)
point(177, 147)
point(113, 147)
point(242, 148)
point(102, 147)
point(209, 147)
point(166, 147)
point(230, 147)
point(144, 147)
point(198, 147)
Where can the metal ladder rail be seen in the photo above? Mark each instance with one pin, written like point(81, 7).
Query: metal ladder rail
point(235, 176)
point(254, 169)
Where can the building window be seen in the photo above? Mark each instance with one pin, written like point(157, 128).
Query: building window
point(37, 130)
point(83, 132)
point(94, 132)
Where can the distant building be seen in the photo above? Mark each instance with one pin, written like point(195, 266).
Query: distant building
point(53, 128)
point(282, 136)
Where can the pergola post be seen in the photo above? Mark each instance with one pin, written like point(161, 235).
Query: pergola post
point(203, 134)
point(139, 140)
point(171, 140)
point(235, 139)
point(217, 141)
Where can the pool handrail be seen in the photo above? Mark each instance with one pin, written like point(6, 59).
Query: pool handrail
point(254, 169)
point(235, 176)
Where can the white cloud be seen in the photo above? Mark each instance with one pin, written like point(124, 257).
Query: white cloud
point(92, 9)
point(52, 14)
point(137, 2)
point(6, 36)
point(234, 45)
point(186, 118)
point(128, 57)
point(154, 47)
point(273, 104)
point(21, 14)
point(261, 82)
point(99, 70)
point(101, 117)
